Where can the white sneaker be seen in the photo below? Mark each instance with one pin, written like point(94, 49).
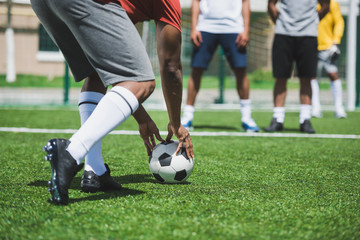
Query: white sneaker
point(187, 123)
point(340, 113)
point(250, 126)
point(316, 112)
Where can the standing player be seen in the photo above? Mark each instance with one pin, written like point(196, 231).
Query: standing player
point(295, 40)
point(167, 15)
point(331, 29)
point(227, 23)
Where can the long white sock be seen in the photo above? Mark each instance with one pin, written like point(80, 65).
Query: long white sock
point(114, 108)
point(336, 89)
point(279, 114)
point(305, 113)
point(245, 109)
point(188, 114)
point(94, 159)
point(315, 100)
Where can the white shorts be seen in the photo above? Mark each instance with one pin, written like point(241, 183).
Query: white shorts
point(327, 61)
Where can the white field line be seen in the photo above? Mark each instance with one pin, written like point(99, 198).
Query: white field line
point(203, 134)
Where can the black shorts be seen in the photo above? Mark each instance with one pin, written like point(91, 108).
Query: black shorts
point(287, 49)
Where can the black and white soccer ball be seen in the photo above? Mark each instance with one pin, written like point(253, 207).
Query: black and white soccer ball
point(167, 167)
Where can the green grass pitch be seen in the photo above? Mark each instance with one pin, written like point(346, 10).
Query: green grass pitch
point(241, 187)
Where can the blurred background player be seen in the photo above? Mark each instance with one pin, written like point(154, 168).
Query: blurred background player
point(167, 16)
point(91, 43)
point(226, 23)
point(296, 25)
point(331, 29)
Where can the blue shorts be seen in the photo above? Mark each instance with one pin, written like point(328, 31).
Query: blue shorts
point(202, 56)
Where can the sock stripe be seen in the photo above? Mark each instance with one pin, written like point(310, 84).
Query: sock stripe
point(87, 102)
point(124, 100)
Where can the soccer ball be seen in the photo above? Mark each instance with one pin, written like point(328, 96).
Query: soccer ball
point(167, 167)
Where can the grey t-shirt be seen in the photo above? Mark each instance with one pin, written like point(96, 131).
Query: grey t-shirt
point(297, 18)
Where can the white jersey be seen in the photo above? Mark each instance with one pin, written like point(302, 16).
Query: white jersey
point(220, 16)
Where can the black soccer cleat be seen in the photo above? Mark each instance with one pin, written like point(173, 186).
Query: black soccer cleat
point(90, 182)
point(63, 168)
point(306, 127)
point(275, 126)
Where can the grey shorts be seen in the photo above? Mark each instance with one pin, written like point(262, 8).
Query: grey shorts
point(327, 62)
point(95, 37)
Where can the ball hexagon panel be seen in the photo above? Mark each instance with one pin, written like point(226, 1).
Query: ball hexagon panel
point(158, 150)
point(179, 163)
point(154, 165)
point(167, 173)
point(171, 147)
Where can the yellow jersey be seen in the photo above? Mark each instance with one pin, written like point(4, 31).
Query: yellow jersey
point(331, 27)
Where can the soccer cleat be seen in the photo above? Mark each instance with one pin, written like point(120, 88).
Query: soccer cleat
point(306, 127)
point(275, 126)
point(188, 125)
point(340, 113)
point(63, 168)
point(250, 126)
point(90, 182)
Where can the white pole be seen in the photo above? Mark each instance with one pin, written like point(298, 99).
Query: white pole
point(10, 51)
point(351, 55)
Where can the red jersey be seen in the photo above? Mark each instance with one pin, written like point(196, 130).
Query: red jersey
point(168, 11)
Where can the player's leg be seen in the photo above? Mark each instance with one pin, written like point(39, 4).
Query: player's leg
point(243, 88)
point(315, 99)
point(336, 87)
point(237, 59)
point(193, 88)
point(200, 60)
point(96, 175)
point(282, 60)
point(306, 62)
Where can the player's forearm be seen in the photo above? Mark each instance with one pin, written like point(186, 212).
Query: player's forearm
point(195, 12)
point(325, 7)
point(141, 115)
point(246, 15)
point(272, 10)
point(172, 90)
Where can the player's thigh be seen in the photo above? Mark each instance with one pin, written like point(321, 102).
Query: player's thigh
point(306, 56)
point(235, 56)
point(202, 55)
point(63, 38)
point(111, 43)
point(282, 56)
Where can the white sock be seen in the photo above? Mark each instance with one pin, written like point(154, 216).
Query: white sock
point(245, 109)
point(315, 100)
point(336, 89)
point(305, 113)
point(279, 114)
point(114, 108)
point(94, 159)
point(188, 114)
